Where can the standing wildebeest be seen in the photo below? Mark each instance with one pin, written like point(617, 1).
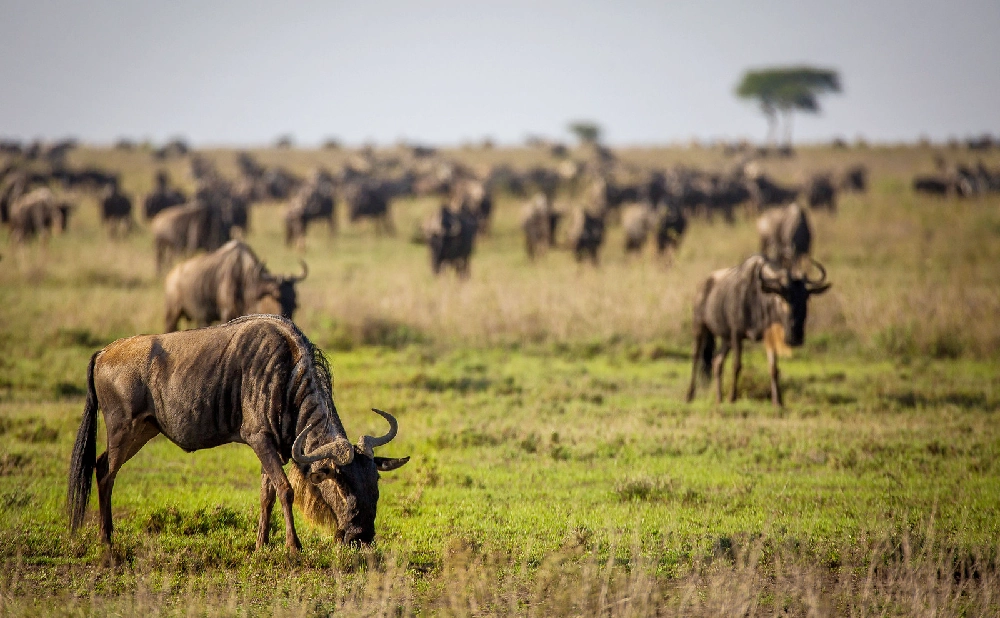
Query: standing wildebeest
point(755, 301)
point(586, 234)
point(539, 220)
point(257, 381)
point(670, 228)
point(225, 284)
point(473, 196)
point(765, 192)
point(855, 179)
point(369, 200)
point(785, 235)
point(116, 210)
point(162, 197)
point(315, 200)
point(188, 228)
point(38, 212)
point(638, 220)
point(451, 238)
point(820, 192)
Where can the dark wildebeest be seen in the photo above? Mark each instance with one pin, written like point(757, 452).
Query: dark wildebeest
point(451, 238)
point(670, 228)
point(765, 192)
point(257, 381)
point(226, 284)
point(820, 192)
point(315, 200)
point(934, 185)
point(38, 212)
point(369, 200)
point(785, 235)
point(756, 300)
point(473, 196)
point(539, 220)
point(185, 229)
point(116, 210)
point(855, 179)
point(586, 234)
point(162, 198)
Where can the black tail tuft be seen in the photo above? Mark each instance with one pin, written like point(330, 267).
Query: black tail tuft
point(707, 353)
point(84, 458)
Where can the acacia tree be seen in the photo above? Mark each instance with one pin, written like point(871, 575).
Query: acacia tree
point(586, 131)
point(785, 90)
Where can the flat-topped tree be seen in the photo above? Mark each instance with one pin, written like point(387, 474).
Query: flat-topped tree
point(784, 90)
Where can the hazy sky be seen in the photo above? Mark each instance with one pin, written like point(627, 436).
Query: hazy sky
point(444, 72)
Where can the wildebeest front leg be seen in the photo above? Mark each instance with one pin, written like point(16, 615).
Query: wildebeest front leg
point(737, 366)
point(772, 365)
point(267, 452)
point(717, 364)
point(267, 495)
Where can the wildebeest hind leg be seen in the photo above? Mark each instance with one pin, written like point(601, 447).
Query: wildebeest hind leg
point(265, 449)
point(121, 447)
point(267, 495)
point(717, 364)
point(737, 366)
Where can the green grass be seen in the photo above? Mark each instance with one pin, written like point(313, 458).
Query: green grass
point(555, 468)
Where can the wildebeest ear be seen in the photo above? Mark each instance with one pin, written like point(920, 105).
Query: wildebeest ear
point(819, 289)
point(386, 464)
point(323, 474)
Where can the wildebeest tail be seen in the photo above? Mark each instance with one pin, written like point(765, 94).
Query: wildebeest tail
point(84, 458)
point(707, 353)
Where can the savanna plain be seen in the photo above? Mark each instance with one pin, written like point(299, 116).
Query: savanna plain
point(556, 469)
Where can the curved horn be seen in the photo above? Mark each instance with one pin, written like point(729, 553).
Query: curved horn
point(339, 450)
point(367, 444)
point(305, 272)
point(822, 272)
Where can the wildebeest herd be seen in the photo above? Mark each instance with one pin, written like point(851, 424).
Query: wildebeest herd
point(256, 379)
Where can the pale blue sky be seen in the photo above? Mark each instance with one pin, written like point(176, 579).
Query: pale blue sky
point(444, 72)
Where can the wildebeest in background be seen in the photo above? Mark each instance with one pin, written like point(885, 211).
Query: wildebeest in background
point(586, 234)
point(766, 192)
point(257, 381)
point(820, 192)
point(785, 234)
point(369, 200)
point(38, 212)
point(185, 229)
point(933, 185)
point(315, 200)
point(670, 228)
point(162, 197)
point(756, 300)
point(116, 210)
point(473, 196)
point(638, 220)
point(225, 284)
point(539, 221)
point(855, 179)
point(451, 237)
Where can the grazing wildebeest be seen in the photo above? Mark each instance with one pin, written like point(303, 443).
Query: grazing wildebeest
point(785, 234)
point(38, 212)
point(257, 381)
point(116, 210)
point(586, 234)
point(185, 229)
point(539, 220)
point(451, 238)
point(934, 185)
point(162, 198)
point(225, 284)
point(315, 200)
point(820, 192)
point(756, 300)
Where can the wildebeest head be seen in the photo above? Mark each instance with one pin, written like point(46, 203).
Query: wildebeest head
point(795, 290)
point(281, 290)
point(351, 490)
